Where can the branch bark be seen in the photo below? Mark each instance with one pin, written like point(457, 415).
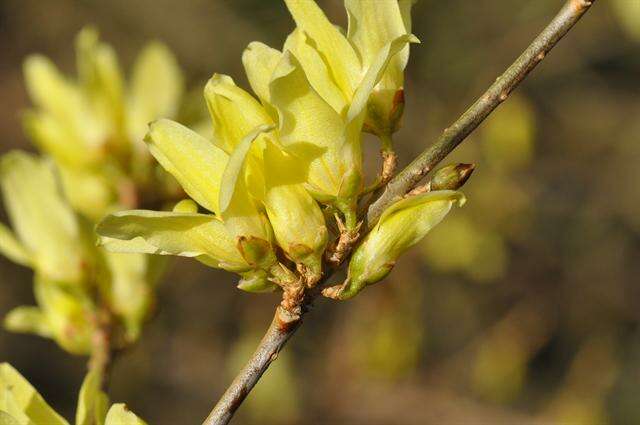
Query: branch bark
point(273, 340)
point(280, 329)
point(102, 351)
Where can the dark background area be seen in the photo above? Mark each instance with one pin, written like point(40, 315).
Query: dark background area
point(523, 306)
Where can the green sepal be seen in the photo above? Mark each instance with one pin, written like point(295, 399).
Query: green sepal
point(257, 282)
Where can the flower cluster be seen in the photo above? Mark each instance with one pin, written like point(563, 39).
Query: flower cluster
point(279, 166)
point(93, 126)
point(91, 131)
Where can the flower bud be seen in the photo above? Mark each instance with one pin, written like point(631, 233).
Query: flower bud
point(256, 281)
point(384, 112)
point(186, 206)
point(257, 252)
point(400, 227)
point(297, 221)
point(451, 177)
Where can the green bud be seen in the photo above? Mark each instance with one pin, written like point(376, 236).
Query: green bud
point(451, 177)
point(401, 226)
point(186, 206)
point(384, 112)
point(256, 281)
point(257, 252)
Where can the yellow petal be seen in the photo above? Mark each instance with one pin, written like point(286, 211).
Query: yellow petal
point(53, 137)
point(27, 319)
point(374, 24)
point(309, 128)
point(101, 79)
point(298, 222)
point(422, 200)
point(234, 112)
point(157, 86)
point(7, 419)
point(119, 414)
point(244, 222)
point(92, 401)
point(330, 42)
point(171, 233)
point(186, 206)
point(51, 92)
point(400, 227)
point(316, 69)
point(374, 74)
point(191, 159)
point(40, 217)
point(89, 192)
point(11, 248)
point(26, 398)
point(259, 62)
point(405, 13)
point(232, 183)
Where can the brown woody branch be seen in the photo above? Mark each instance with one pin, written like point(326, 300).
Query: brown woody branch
point(281, 328)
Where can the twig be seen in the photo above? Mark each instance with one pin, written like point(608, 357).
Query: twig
point(102, 352)
point(279, 332)
point(273, 340)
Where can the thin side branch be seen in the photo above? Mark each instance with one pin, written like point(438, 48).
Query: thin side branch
point(102, 352)
point(273, 340)
point(280, 331)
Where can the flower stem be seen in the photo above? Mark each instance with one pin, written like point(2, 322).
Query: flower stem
point(102, 352)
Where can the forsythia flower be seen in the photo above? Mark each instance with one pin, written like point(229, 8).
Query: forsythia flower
point(246, 182)
point(271, 160)
point(199, 166)
point(401, 226)
point(42, 220)
point(58, 246)
point(44, 223)
point(93, 127)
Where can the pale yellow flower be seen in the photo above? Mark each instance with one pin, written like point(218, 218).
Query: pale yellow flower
point(93, 125)
point(248, 183)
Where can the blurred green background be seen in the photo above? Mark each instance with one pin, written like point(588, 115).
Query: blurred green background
point(522, 307)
